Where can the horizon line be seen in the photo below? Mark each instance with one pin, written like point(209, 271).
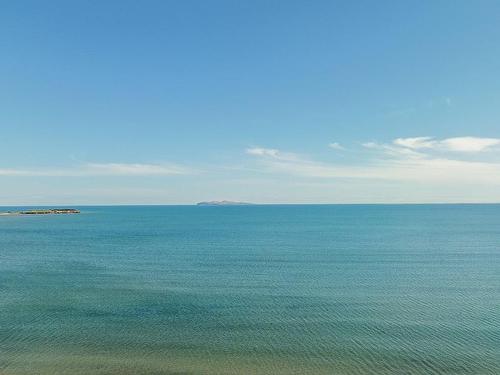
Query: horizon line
point(246, 204)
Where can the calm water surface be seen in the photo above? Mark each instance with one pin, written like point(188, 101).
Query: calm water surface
point(347, 290)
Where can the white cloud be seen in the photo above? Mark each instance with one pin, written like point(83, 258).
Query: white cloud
point(119, 169)
point(470, 144)
point(336, 146)
point(392, 163)
point(393, 151)
point(415, 143)
point(262, 151)
point(456, 144)
point(272, 153)
point(100, 169)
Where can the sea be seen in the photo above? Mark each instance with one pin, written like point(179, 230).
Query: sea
point(260, 289)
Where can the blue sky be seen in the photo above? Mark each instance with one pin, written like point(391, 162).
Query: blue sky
point(145, 102)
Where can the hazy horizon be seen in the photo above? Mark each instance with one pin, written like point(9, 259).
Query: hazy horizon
point(55, 205)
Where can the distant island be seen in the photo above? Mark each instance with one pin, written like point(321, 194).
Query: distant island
point(223, 203)
point(51, 211)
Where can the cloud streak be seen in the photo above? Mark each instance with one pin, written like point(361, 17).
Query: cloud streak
point(336, 146)
point(99, 169)
point(457, 144)
point(405, 159)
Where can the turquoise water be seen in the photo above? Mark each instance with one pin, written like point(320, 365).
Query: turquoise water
point(348, 290)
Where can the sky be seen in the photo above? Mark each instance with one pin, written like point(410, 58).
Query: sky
point(175, 102)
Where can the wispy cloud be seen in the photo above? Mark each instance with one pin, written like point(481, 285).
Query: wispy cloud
point(393, 150)
point(404, 159)
point(259, 151)
point(272, 153)
point(291, 163)
point(100, 169)
point(456, 144)
point(415, 143)
point(336, 146)
point(120, 169)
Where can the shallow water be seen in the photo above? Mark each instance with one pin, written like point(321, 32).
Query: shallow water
point(348, 290)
